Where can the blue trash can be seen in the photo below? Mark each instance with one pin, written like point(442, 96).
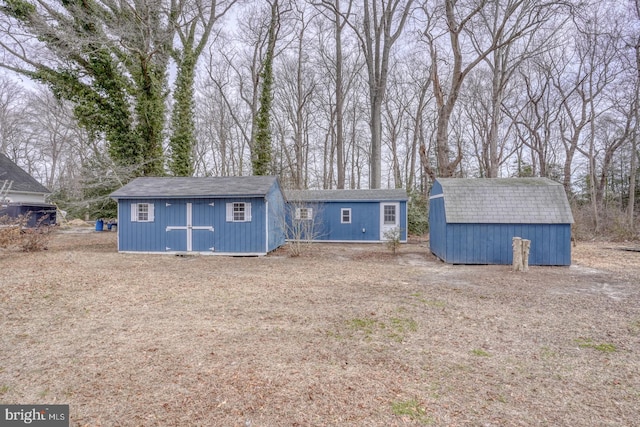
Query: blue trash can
point(99, 225)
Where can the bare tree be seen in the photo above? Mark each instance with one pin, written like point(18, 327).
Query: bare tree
point(297, 83)
point(53, 130)
point(219, 150)
point(377, 31)
point(339, 21)
point(516, 42)
point(13, 118)
point(491, 27)
point(633, 172)
point(535, 115)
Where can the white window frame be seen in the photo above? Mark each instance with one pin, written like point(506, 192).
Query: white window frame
point(238, 212)
point(307, 216)
point(344, 211)
point(386, 215)
point(142, 212)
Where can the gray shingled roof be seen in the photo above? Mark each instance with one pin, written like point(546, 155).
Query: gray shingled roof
point(346, 195)
point(22, 181)
point(505, 200)
point(169, 187)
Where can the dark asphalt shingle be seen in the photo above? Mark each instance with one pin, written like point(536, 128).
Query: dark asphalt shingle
point(170, 187)
point(22, 181)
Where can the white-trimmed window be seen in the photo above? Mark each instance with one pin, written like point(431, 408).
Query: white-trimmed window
point(389, 214)
point(304, 213)
point(238, 212)
point(345, 216)
point(142, 212)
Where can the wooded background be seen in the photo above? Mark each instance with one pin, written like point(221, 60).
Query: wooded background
point(325, 94)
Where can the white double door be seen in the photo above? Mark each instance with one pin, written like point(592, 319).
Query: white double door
point(193, 230)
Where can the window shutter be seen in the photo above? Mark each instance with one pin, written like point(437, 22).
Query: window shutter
point(297, 213)
point(151, 212)
point(247, 212)
point(229, 212)
point(309, 213)
point(134, 212)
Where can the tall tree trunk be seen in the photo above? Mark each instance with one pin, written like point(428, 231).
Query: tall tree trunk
point(497, 88)
point(634, 141)
point(377, 38)
point(261, 155)
point(340, 161)
point(182, 141)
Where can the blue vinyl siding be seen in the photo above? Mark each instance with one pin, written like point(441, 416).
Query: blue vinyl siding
point(492, 243)
point(437, 223)
point(242, 237)
point(364, 216)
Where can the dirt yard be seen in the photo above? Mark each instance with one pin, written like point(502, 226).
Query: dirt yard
point(345, 335)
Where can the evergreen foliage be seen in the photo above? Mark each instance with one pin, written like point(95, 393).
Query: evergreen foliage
point(182, 140)
point(417, 214)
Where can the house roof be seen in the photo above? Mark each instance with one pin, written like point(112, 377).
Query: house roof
point(171, 187)
point(22, 181)
point(505, 200)
point(346, 195)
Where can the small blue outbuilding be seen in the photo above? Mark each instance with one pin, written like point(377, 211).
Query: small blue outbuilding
point(213, 215)
point(347, 215)
point(473, 221)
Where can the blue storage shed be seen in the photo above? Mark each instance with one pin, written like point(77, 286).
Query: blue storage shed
point(347, 215)
point(473, 221)
point(214, 215)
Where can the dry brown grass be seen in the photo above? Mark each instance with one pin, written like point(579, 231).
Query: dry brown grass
point(342, 335)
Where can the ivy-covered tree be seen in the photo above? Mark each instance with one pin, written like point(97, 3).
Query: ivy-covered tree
point(193, 25)
point(182, 122)
point(261, 155)
point(110, 60)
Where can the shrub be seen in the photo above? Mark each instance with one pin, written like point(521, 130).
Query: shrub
point(10, 229)
point(302, 231)
point(392, 239)
point(14, 234)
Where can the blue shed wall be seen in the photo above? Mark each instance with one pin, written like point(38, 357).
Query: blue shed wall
point(364, 216)
point(227, 237)
point(492, 243)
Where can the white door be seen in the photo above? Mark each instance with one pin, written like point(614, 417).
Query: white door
point(389, 218)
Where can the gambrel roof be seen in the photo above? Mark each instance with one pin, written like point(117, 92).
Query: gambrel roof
point(172, 187)
point(504, 200)
point(346, 195)
point(21, 181)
